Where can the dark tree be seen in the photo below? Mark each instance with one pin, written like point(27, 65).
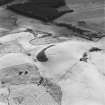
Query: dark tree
point(44, 10)
point(49, 3)
point(3, 2)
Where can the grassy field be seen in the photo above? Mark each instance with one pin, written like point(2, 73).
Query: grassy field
point(90, 11)
point(84, 1)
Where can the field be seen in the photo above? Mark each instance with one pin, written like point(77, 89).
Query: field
point(58, 63)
